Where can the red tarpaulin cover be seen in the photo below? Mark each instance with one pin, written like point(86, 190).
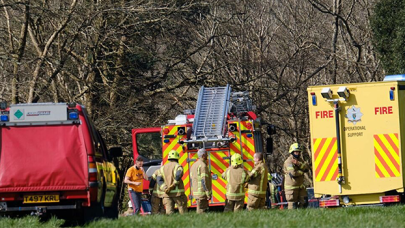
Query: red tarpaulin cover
point(42, 158)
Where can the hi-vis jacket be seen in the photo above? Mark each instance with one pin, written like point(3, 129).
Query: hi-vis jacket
point(201, 180)
point(236, 178)
point(156, 190)
point(294, 174)
point(168, 172)
point(258, 178)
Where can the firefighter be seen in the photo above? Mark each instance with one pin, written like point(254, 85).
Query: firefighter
point(201, 179)
point(235, 191)
point(257, 185)
point(294, 169)
point(170, 182)
point(156, 195)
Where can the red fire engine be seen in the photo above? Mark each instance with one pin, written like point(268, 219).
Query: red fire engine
point(223, 123)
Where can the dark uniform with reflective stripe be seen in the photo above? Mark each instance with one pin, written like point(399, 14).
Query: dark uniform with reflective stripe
point(201, 184)
point(294, 182)
point(257, 186)
point(235, 191)
point(157, 195)
point(176, 195)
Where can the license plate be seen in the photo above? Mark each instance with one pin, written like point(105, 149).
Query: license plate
point(41, 198)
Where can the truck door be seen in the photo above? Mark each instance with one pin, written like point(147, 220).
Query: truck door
point(147, 142)
point(110, 172)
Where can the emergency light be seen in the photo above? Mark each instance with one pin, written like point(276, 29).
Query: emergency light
point(313, 98)
point(395, 77)
point(392, 93)
point(4, 118)
point(73, 114)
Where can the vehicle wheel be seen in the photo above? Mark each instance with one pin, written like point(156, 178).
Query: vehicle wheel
point(92, 213)
point(112, 212)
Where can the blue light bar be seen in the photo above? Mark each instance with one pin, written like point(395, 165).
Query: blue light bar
point(4, 118)
point(395, 77)
point(73, 115)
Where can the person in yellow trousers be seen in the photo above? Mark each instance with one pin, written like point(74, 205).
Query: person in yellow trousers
point(236, 177)
point(172, 185)
point(257, 185)
point(294, 169)
point(201, 181)
point(157, 195)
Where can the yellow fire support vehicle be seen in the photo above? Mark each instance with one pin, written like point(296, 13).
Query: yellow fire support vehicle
point(357, 132)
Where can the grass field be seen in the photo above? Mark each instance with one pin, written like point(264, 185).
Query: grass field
point(393, 216)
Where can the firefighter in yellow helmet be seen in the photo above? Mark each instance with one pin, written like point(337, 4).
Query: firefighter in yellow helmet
point(294, 169)
point(257, 185)
point(201, 181)
point(236, 177)
point(170, 182)
point(157, 195)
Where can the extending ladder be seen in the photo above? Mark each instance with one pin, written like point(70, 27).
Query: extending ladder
point(211, 112)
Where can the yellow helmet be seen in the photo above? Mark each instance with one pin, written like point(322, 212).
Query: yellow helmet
point(173, 155)
point(236, 159)
point(295, 147)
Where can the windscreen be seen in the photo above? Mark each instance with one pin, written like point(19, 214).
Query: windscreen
point(149, 145)
point(42, 158)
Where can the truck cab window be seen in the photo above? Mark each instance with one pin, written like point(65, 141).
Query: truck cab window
point(149, 145)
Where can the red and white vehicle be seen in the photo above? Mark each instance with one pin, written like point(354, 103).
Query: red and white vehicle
point(53, 160)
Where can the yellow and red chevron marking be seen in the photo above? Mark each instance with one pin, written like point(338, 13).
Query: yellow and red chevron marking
point(218, 166)
point(173, 142)
point(248, 145)
point(186, 176)
point(325, 157)
point(386, 155)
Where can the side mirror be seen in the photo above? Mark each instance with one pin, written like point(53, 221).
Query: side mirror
point(269, 146)
point(115, 152)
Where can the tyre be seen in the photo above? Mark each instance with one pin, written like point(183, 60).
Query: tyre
point(93, 213)
point(112, 212)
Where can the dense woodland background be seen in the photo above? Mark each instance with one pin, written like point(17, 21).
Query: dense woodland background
point(140, 63)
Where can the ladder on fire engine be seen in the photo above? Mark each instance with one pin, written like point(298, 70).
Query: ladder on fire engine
point(211, 112)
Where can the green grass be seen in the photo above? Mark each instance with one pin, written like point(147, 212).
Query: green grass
point(30, 221)
point(393, 216)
